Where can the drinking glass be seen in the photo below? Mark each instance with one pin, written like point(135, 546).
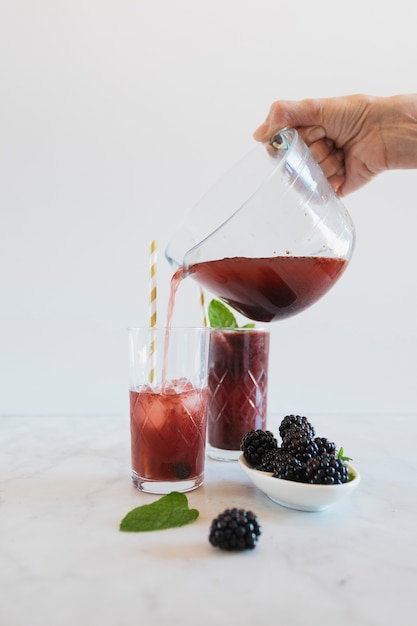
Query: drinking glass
point(238, 386)
point(168, 407)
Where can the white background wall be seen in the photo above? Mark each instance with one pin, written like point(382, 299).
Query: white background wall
point(115, 117)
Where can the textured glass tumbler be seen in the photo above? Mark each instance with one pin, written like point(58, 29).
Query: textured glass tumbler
point(168, 407)
point(238, 385)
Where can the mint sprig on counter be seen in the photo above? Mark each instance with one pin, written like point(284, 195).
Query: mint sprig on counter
point(170, 511)
point(221, 317)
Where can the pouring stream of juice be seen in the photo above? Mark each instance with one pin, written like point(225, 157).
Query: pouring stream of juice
point(175, 283)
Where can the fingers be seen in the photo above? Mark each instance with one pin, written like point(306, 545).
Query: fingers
point(279, 117)
point(328, 157)
point(337, 181)
point(262, 133)
point(324, 151)
point(290, 114)
point(311, 134)
point(321, 149)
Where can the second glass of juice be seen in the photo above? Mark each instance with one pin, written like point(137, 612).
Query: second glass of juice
point(238, 386)
point(168, 407)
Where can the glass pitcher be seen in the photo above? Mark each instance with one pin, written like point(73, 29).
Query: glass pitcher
point(271, 237)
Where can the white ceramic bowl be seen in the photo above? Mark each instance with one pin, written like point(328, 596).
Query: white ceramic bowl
point(301, 496)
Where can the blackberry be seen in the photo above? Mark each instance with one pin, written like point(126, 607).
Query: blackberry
point(288, 467)
point(235, 529)
point(326, 469)
point(256, 443)
point(182, 470)
point(301, 447)
point(292, 425)
point(268, 461)
point(325, 446)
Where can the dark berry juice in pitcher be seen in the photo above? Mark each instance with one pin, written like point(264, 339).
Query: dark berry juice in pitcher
point(269, 289)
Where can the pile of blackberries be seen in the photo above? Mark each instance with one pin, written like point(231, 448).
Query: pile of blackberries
point(302, 456)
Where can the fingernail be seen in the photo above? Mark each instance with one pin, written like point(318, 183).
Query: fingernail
point(316, 133)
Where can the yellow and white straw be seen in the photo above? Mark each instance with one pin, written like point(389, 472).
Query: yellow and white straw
point(152, 308)
point(203, 306)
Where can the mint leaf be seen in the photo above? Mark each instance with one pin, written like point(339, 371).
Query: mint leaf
point(170, 511)
point(341, 455)
point(220, 316)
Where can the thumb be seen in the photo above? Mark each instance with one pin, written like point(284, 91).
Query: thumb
point(288, 114)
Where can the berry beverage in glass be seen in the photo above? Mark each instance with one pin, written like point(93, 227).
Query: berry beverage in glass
point(168, 408)
point(237, 386)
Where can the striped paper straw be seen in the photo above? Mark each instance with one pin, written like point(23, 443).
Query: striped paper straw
point(203, 306)
point(152, 308)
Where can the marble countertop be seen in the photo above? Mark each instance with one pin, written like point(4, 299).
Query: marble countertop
point(65, 486)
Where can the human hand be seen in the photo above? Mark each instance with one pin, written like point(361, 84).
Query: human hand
point(353, 138)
